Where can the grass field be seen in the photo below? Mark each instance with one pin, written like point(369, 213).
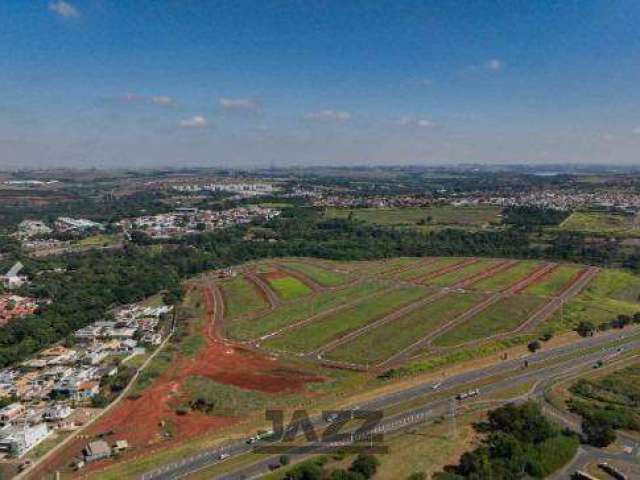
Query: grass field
point(241, 297)
point(456, 276)
point(475, 216)
point(380, 343)
point(316, 334)
point(555, 281)
point(503, 316)
point(421, 269)
point(321, 275)
point(601, 222)
point(287, 287)
point(611, 293)
point(249, 328)
point(508, 277)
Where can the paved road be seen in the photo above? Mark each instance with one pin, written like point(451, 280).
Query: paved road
point(538, 370)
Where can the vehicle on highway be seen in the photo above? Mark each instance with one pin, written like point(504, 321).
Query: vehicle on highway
point(469, 394)
point(223, 456)
point(613, 471)
point(435, 386)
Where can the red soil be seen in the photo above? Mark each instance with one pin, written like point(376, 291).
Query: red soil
point(140, 420)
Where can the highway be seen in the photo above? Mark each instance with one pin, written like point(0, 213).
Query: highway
point(543, 366)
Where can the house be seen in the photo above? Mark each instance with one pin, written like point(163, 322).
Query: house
point(97, 450)
point(57, 412)
point(19, 439)
point(12, 279)
point(30, 228)
point(12, 412)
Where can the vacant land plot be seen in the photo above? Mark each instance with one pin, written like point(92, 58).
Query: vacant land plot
point(475, 216)
point(500, 317)
point(315, 334)
point(456, 276)
point(241, 297)
point(424, 268)
point(215, 398)
point(380, 267)
point(601, 222)
point(285, 286)
point(250, 328)
point(380, 343)
point(317, 273)
point(556, 281)
point(506, 278)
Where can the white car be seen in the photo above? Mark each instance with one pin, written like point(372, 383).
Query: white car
point(223, 456)
point(435, 386)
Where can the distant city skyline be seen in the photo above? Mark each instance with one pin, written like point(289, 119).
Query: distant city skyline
point(153, 83)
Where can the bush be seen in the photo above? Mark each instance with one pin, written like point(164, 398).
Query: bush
point(367, 465)
point(534, 346)
point(284, 460)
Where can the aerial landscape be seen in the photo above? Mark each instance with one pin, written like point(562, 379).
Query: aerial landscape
point(319, 240)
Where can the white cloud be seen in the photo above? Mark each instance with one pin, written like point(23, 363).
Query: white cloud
point(636, 131)
point(329, 115)
point(197, 121)
point(238, 104)
point(407, 121)
point(163, 101)
point(494, 64)
point(64, 9)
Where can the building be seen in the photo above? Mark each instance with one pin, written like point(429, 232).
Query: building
point(30, 228)
point(12, 412)
point(17, 440)
point(66, 224)
point(57, 412)
point(97, 451)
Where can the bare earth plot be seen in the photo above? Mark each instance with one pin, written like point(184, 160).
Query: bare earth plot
point(556, 281)
point(506, 278)
point(241, 297)
point(378, 344)
point(381, 267)
point(501, 317)
point(315, 334)
point(320, 275)
point(288, 314)
point(454, 277)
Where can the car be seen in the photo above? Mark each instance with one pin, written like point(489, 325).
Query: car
point(435, 386)
point(223, 456)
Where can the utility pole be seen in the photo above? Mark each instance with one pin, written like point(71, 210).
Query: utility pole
point(453, 429)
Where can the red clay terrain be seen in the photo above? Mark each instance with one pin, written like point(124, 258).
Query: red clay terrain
point(144, 421)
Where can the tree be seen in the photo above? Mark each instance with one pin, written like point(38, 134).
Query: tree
point(367, 465)
point(598, 431)
point(546, 336)
point(417, 476)
point(284, 460)
point(585, 329)
point(534, 346)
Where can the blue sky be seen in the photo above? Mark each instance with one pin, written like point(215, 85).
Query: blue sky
point(317, 82)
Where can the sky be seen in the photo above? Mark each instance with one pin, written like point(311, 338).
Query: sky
point(181, 83)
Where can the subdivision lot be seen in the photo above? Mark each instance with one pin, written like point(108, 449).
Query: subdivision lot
point(424, 268)
point(456, 276)
point(474, 216)
point(506, 278)
point(323, 276)
point(501, 317)
point(286, 286)
point(315, 334)
point(602, 222)
point(378, 344)
point(556, 281)
point(241, 297)
point(250, 328)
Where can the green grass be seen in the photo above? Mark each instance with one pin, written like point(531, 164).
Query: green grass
point(288, 288)
point(554, 283)
point(380, 343)
point(420, 269)
point(101, 240)
point(503, 316)
point(249, 328)
point(316, 334)
point(456, 276)
point(321, 275)
point(601, 222)
point(508, 277)
point(475, 216)
point(229, 400)
point(241, 297)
